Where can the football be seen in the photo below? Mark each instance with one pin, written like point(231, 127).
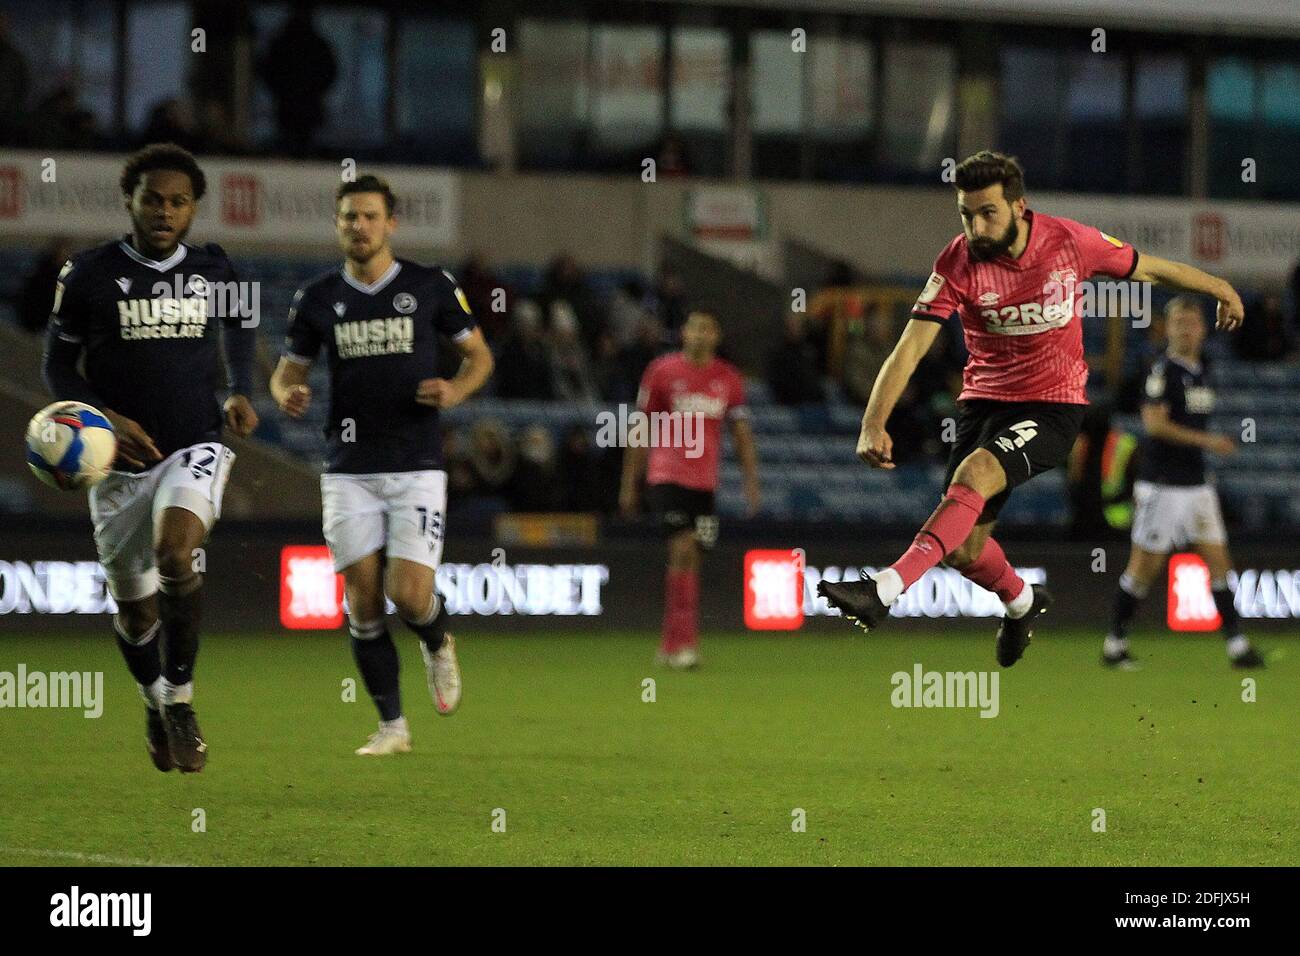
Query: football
point(70, 445)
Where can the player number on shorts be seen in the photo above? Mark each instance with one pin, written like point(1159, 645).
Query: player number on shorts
point(430, 524)
point(1025, 431)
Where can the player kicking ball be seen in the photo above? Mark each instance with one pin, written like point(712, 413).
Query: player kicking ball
point(139, 309)
point(384, 492)
point(1175, 503)
point(687, 395)
point(1010, 279)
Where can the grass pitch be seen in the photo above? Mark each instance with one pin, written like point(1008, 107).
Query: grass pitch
point(554, 731)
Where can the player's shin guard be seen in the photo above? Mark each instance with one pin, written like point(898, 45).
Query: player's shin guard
point(942, 532)
point(993, 572)
point(376, 657)
point(179, 602)
point(1128, 596)
point(143, 657)
point(431, 628)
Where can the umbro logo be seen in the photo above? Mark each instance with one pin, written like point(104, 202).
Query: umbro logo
point(989, 298)
point(124, 284)
point(339, 309)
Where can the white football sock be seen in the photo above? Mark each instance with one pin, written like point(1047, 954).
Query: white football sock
point(176, 693)
point(1237, 646)
point(1019, 606)
point(889, 585)
point(398, 724)
point(1114, 646)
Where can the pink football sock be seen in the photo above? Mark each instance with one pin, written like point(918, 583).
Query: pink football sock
point(992, 570)
point(942, 532)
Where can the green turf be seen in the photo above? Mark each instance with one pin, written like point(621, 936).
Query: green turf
point(554, 731)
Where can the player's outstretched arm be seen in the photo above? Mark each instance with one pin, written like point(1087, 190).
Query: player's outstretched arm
point(289, 387)
point(1181, 277)
point(474, 371)
point(875, 447)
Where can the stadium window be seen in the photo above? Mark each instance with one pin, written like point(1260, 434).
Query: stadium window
point(157, 51)
point(918, 114)
point(434, 90)
point(841, 93)
point(75, 46)
point(1096, 155)
point(627, 93)
point(776, 96)
point(1032, 95)
point(1160, 106)
point(356, 105)
point(699, 92)
point(554, 93)
point(1231, 104)
point(1279, 107)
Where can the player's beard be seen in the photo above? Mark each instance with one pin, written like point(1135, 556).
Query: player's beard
point(982, 250)
point(147, 242)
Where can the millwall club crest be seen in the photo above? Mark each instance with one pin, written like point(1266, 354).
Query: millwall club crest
point(198, 286)
point(404, 303)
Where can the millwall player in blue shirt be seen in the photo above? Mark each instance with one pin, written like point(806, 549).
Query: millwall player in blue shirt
point(1176, 504)
point(141, 310)
point(384, 491)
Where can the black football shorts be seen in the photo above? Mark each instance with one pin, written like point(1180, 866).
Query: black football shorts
point(1027, 438)
point(684, 509)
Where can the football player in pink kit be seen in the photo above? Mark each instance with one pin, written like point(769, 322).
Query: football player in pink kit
point(1010, 279)
point(687, 396)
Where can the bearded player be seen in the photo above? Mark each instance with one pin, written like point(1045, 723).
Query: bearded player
point(700, 391)
point(1010, 280)
point(384, 492)
point(142, 312)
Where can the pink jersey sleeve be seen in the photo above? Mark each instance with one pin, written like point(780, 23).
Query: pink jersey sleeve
point(941, 296)
point(1102, 254)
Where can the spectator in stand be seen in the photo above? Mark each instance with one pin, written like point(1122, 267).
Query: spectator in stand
point(64, 124)
point(535, 487)
point(671, 159)
point(565, 282)
point(523, 368)
point(867, 344)
point(170, 122)
point(571, 376)
point(634, 358)
point(455, 455)
point(627, 307)
point(15, 85)
point(792, 371)
point(37, 296)
point(580, 473)
point(489, 298)
point(299, 68)
point(492, 458)
point(1265, 336)
point(670, 306)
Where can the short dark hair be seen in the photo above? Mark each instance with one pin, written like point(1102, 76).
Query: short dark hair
point(986, 168)
point(163, 156)
point(367, 184)
point(1184, 303)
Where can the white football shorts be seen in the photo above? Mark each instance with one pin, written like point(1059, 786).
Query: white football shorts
point(1168, 517)
point(400, 512)
point(125, 506)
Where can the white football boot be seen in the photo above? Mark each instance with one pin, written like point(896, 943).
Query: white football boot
point(385, 741)
point(444, 675)
point(688, 658)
